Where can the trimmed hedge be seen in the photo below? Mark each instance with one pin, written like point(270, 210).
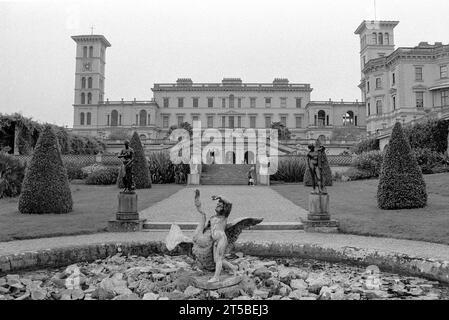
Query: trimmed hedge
point(104, 176)
point(290, 170)
point(46, 188)
point(140, 168)
point(12, 172)
point(401, 184)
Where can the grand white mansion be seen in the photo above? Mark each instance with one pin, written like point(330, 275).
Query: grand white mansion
point(230, 103)
point(403, 84)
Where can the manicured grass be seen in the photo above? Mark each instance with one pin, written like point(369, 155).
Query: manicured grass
point(93, 206)
point(354, 204)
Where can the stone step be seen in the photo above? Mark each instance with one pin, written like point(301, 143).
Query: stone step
point(192, 226)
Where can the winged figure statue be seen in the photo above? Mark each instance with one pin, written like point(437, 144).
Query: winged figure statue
point(213, 236)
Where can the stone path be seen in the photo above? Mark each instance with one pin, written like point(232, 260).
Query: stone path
point(255, 202)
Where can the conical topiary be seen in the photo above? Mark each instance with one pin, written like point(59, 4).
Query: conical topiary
point(46, 188)
point(327, 173)
point(140, 167)
point(401, 184)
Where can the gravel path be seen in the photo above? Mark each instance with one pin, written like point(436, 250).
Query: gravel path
point(256, 202)
point(334, 241)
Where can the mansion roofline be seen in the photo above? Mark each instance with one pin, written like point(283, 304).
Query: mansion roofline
point(232, 84)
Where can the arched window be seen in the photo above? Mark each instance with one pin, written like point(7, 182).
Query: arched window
point(321, 118)
point(149, 118)
point(387, 38)
point(83, 83)
point(381, 38)
point(374, 38)
point(89, 83)
point(143, 118)
point(83, 98)
point(88, 118)
point(91, 51)
point(143, 137)
point(82, 118)
point(89, 98)
point(114, 118)
point(348, 118)
point(84, 52)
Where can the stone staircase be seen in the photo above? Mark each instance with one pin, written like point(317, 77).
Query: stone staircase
point(225, 174)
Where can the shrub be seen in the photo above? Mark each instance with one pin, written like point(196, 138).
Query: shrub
point(369, 162)
point(12, 172)
point(46, 188)
point(74, 170)
point(431, 134)
point(428, 159)
point(164, 171)
point(401, 184)
point(354, 174)
point(366, 145)
point(140, 167)
point(87, 170)
point(327, 173)
point(104, 176)
point(290, 170)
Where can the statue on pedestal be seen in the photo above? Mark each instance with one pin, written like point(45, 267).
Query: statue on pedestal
point(315, 164)
point(212, 237)
point(127, 156)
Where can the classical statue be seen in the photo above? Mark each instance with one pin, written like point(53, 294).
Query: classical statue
point(315, 165)
point(127, 156)
point(213, 236)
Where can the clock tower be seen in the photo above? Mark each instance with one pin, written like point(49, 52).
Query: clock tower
point(89, 75)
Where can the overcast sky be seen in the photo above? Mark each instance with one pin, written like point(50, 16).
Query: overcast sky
point(206, 40)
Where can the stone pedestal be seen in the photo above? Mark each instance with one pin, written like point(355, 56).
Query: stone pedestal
point(127, 217)
point(193, 179)
point(319, 219)
point(263, 180)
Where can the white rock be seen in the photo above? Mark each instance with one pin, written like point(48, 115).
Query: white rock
point(298, 284)
point(150, 296)
point(191, 291)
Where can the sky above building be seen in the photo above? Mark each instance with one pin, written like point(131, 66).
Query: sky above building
point(206, 40)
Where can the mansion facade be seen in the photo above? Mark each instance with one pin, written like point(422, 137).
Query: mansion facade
point(403, 84)
point(230, 103)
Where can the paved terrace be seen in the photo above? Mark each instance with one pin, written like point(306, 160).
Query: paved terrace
point(254, 202)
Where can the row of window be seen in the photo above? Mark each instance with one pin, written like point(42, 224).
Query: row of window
point(376, 38)
point(85, 117)
point(89, 83)
point(84, 96)
point(419, 103)
point(231, 121)
point(90, 50)
point(418, 77)
point(231, 102)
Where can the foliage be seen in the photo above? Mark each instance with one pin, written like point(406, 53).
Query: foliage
point(74, 169)
point(185, 125)
point(369, 162)
point(46, 188)
point(428, 159)
point(283, 132)
point(140, 167)
point(347, 133)
point(431, 134)
point(164, 171)
point(401, 184)
point(12, 172)
point(371, 144)
point(290, 169)
point(103, 176)
point(354, 174)
point(29, 131)
point(92, 168)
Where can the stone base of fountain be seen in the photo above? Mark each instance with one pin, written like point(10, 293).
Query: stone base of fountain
point(319, 219)
point(127, 218)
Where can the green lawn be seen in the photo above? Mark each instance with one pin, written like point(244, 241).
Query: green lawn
point(354, 204)
point(93, 207)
